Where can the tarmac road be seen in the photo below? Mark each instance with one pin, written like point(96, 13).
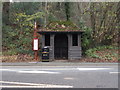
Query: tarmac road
point(60, 75)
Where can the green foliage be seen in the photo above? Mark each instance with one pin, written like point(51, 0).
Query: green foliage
point(104, 22)
point(118, 59)
point(52, 18)
point(95, 56)
point(10, 52)
point(19, 21)
point(9, 36)
point(28, 7)
point(92, 50)
point(15, 41)
point(17, 37)
point(86, 37)
point(102, 52)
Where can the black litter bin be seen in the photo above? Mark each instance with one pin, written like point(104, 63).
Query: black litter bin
point(45, 54)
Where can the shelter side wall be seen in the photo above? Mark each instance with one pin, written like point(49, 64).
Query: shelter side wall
point(51, 47)
point(74, 52)
point(43, 40)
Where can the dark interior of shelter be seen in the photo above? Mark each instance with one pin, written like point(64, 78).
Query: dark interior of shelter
point(61, 46)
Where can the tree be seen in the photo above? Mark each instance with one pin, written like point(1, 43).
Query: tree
point(6, 6)
point(67, 10)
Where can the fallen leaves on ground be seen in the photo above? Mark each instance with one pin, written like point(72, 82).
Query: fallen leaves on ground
point(27, 58)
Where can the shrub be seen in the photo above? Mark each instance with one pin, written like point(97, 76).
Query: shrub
point(102, 52)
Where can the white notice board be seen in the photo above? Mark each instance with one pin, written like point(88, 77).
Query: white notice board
point(35, 44)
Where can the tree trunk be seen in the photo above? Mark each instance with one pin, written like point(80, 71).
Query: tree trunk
point(67, 10)
point(6, 6)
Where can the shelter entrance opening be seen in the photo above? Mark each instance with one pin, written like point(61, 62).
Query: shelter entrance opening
point(61, 46)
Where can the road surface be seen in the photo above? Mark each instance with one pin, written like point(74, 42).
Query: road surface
point(88, 76)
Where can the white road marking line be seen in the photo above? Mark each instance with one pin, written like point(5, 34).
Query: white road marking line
point(83, 69)
point(20, 83)
point(48, 72)
point(38, 69)
point(31, 71)
point(7, 70)
point(60, 69)
point(114, 72)
point(34, 85)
